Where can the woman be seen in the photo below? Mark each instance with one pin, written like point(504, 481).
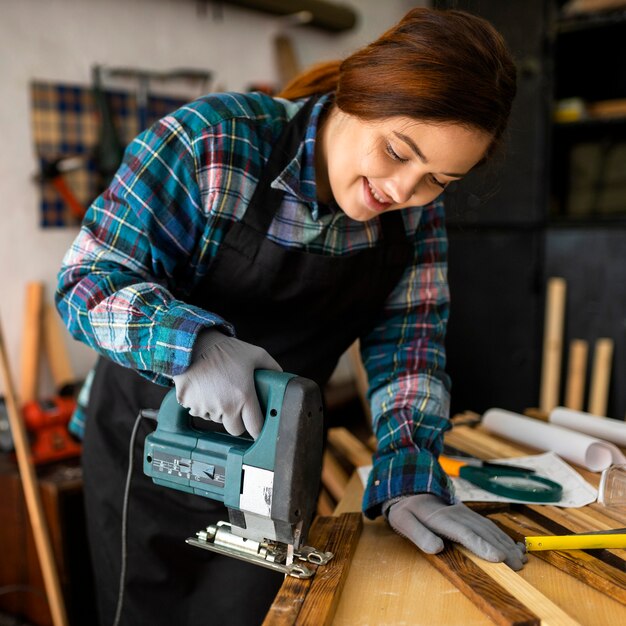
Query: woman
point(244, 232)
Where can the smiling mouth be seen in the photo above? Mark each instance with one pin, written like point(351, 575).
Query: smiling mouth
point(379, 202)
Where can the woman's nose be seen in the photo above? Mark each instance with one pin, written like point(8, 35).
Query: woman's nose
point(402, 189)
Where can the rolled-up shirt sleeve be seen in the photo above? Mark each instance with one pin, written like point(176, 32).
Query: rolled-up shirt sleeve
point(121, 282)
point(404, 357)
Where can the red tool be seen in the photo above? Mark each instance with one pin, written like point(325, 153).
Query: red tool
point(54, 172)
point(47, 423)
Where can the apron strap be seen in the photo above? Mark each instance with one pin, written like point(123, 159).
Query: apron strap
point(266, 200)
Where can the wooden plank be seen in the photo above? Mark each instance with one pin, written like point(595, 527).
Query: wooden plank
point(348, 446)
point(616, 513)
point(313, 602)
point(482, 444)
point(390, 582)
point(31, 342)
point(578, 563)
point(325, 504)
point(360, 377)
point(552, 344)
point(576, 374)
point(351, 501)
point(549, 613)
point(560, 521)
point(56, 349)
point(334, 477)
point(32, 495)
point(600, 377)
point(489, 596)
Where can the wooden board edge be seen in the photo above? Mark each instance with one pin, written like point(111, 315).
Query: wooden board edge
point(303, 602)
point(487, 594)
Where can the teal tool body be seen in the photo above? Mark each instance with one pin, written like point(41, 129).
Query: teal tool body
point(269, 485)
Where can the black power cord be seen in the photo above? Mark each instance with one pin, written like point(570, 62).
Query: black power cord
point(150, 414)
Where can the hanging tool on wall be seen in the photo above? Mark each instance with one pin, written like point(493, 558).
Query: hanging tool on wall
point(287, 61)
point(143, 79)
point(54, 172)
point(110, 148)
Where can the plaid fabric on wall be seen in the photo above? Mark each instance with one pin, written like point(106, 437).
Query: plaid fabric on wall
point(66, 123)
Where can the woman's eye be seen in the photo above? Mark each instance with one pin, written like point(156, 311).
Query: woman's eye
point(394, 155)
point(438, 182)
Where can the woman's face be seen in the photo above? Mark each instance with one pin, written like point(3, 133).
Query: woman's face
point(373, 167)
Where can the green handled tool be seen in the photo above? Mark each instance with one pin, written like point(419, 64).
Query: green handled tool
point(269, 486)
point(510, 481)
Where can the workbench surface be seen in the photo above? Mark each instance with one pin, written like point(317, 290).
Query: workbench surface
point(391, 583)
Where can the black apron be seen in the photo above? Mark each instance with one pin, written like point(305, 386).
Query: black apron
point(305, 309)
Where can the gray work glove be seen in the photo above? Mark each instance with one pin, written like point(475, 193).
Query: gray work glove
point(425, 518)
point(219, 383)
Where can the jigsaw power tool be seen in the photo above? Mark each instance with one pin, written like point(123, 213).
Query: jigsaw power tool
point(269, 486)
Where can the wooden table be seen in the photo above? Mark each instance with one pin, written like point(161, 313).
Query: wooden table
point(392, 583)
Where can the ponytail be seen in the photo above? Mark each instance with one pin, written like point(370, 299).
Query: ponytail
point(319, 79)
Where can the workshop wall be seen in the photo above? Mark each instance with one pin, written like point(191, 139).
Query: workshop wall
point(59, 40)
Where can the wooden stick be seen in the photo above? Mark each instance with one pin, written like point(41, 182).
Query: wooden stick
point(286, 58)
point(600, 377)
point(360, 376)
point(578, 563)
point(576, 374)
point(559, 521)
point(552, 344)
point(32, 495)
point(325, 504)
point(550, 613)
point(31, 341)
point(56, 349)
point(334, 477)
point(537, 414)
point(489, 596)
point(349, 446)
point(313, 602)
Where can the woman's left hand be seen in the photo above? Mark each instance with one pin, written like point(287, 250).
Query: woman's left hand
point(425, 519)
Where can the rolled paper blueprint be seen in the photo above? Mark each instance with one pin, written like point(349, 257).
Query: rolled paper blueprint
point(602, 427)
point(584, 450)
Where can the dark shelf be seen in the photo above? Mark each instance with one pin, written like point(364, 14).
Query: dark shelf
point(587, 222)
point(590, 20)
point(591, 123)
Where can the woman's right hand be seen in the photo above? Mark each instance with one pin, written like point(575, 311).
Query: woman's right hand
point(219, 383)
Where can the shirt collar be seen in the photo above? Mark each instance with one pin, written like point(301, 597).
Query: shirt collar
point(298, 177)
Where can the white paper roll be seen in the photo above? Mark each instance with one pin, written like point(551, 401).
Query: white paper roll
point(603, 427)
point(594, 454)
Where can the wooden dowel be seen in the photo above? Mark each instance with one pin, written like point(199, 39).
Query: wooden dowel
point(600, 377)
point(348, 446)
point(56, 349)
point(334, 477)
point(552, 344)
point(491, 597)
point(325, 504)
point(32, 495)
point(360, 376)
point(576, 374)
point(31, 341)
point(549, 612)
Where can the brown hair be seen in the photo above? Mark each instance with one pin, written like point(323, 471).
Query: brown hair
point(434, 65)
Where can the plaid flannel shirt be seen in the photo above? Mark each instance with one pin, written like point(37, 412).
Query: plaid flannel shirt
point(150, 238)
